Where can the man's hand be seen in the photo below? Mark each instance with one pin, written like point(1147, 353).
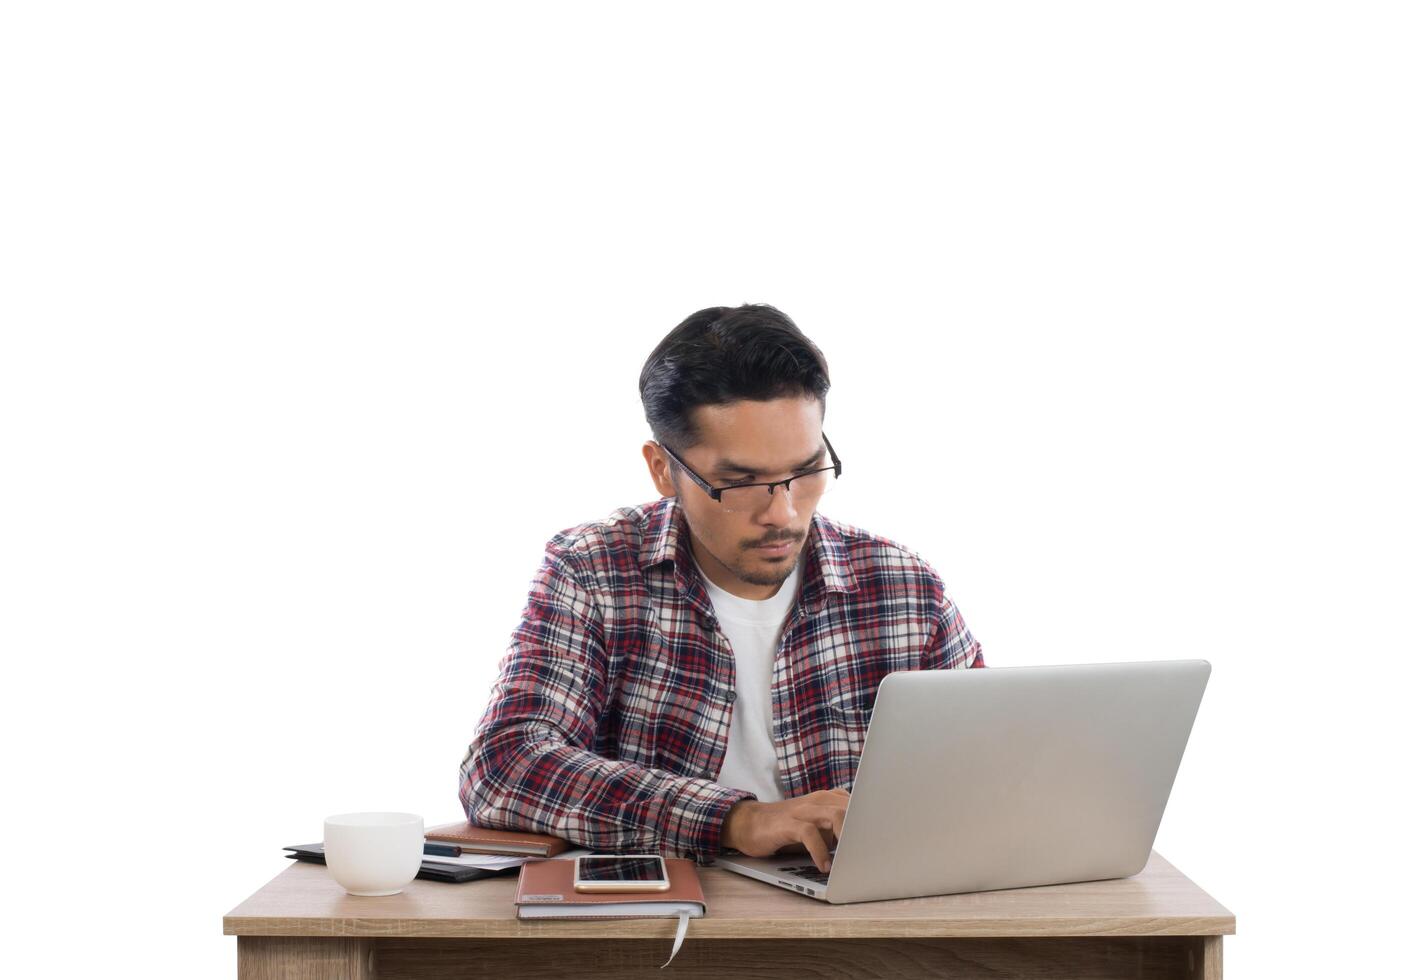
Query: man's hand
point(813, 821)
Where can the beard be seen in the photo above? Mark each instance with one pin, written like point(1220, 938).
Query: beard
point(748, 569)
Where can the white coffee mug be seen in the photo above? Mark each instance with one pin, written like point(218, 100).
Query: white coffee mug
point(374, 853)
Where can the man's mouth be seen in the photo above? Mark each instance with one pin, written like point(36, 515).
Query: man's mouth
point(776, 549)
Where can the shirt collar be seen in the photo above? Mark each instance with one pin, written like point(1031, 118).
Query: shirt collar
point(665, 539)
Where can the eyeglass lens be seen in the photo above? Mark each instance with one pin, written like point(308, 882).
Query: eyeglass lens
point(803, 490)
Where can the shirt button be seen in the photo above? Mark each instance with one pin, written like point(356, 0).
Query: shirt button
point(731, 698)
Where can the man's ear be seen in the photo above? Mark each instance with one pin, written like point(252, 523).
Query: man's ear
point(658, 468)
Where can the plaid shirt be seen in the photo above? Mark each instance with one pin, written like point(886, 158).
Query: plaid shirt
point(609, 718)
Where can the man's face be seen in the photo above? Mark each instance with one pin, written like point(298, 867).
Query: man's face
point(770, 439)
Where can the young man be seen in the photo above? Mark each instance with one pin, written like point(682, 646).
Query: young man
point(697, 673)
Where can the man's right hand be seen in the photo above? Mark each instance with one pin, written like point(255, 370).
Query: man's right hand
point(813, 821)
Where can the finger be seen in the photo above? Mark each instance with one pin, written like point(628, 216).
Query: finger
point(833, 823)
point(836, 815)
point(819, 853)
point(829, 828)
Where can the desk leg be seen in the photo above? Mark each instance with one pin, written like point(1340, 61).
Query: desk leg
point(304, 958)
point(1208, 961)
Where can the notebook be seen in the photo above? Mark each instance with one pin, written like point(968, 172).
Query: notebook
point(482, 840)
point(545, 891)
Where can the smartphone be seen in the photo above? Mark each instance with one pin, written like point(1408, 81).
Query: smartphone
point(620, 873)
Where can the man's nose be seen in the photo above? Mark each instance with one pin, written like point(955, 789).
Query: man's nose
point(779, 509)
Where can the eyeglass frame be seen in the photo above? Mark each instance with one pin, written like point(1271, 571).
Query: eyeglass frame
point(715, 492)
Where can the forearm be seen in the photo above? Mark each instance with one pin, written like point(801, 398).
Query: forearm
point(527, 776)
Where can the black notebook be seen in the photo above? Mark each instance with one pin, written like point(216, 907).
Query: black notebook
point(429, 870)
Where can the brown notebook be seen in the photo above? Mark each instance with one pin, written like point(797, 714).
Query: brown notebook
point(546, 892)
point(481, 840)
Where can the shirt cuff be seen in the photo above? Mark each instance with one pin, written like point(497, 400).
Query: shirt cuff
point(694, 813)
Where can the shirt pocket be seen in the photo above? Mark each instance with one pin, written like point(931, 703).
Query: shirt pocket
point(851, 715)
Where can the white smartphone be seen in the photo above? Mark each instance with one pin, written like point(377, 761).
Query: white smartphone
point(620, 873)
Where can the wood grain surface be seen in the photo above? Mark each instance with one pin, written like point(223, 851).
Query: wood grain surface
point(303, 900)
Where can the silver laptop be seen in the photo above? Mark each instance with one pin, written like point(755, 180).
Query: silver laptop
point(1004, 777)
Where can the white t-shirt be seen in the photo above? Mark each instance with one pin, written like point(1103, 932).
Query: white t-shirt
point(754, 628)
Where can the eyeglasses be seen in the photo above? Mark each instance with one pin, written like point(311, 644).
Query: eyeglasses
point(742, 497)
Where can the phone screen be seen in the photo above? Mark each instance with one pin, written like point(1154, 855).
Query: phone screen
point(619, 869)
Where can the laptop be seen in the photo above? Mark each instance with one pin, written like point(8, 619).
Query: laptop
point(1004, 777)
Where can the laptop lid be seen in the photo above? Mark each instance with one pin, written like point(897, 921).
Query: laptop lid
point(1009, 777)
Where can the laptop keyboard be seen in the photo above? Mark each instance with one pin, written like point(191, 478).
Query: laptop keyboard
point(807, 871)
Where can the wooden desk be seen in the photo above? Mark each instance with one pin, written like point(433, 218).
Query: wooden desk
point(1155, 924)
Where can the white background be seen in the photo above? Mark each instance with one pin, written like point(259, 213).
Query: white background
point(319, 319)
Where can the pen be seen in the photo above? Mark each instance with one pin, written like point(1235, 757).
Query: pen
point(446, 850)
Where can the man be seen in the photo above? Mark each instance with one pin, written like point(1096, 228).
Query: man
point(698, 672)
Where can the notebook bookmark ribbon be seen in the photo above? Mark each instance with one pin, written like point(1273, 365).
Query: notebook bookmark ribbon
point(682, 920)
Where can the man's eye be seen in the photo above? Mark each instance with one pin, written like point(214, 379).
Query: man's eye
point(748, 479)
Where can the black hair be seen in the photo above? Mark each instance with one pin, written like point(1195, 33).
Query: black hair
point(725, 354)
